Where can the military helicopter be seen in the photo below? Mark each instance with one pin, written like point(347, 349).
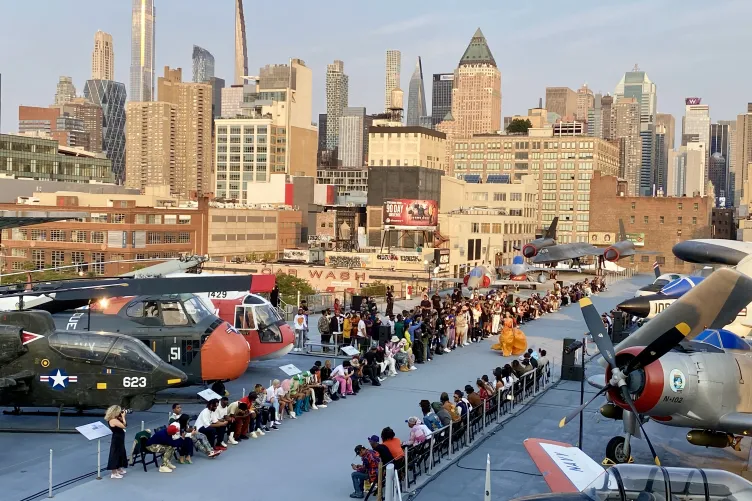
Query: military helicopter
point(662, 373)
point(44, 367)
point(177, 327)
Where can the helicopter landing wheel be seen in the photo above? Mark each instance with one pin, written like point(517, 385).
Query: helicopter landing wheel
point(219, 388)
point(615, 450)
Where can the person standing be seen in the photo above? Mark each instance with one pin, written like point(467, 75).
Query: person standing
point(323, 325)
point(118, 460)
point(274, 296)
point(300, 324)
point(389, 300)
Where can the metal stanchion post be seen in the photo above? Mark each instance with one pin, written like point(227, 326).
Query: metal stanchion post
point(487, 493)
point(407, 461)
point(142, 426)
point(499, 394)
point(99, 458)
point(467, 427)
point(451, 436)
point(49, 492)
point(389, 485)
point(484, 415)
point(430, 454)
point(380, 481)
point(243, 392)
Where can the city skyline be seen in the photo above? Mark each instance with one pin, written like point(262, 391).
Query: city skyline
point(30, 81)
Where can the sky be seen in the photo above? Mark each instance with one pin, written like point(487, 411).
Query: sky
point(689, 48)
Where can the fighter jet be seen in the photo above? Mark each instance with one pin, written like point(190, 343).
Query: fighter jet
point(661, 372)
point(520, 272)
point(623, 247)
point(545, 250)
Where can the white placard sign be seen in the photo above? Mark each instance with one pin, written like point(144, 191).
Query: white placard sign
point(209, 394)
point(94, 431)
point(579, 468)
point(290, 370)
point(350, 350)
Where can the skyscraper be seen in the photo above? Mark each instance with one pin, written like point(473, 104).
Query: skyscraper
point(143, 20)
point(607, 103)
point(562, 101)
point(111, 97)
point(476, 97)
point(217, 85)
point(193, 145)
point(151, 135)
point(625, 128)
point(103, 57)
point(241, 47)
point(636, 84)
point(351, 141)
point(66, 91)
point(416, 97)
point(696, 125)
point(595, 117)
point(585, 103)
point(743, 157)
point(91, 116)
point(661, 159)
point(718, 169)
point(203, 65)
point(393, 69)
point(441, 97)
point(731, 198)
point(336, 100)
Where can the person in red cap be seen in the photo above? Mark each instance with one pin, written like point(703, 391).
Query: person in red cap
point(163, 442)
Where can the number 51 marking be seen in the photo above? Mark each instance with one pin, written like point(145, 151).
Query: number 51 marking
point(174, 354)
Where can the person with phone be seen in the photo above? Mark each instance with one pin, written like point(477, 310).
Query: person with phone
point(118, 460)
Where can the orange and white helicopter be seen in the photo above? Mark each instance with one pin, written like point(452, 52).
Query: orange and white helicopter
point(263, 327)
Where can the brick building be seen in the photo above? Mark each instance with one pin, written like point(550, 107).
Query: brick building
point(659, 222)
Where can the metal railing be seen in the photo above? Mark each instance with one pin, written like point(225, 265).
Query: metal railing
point(447, 443)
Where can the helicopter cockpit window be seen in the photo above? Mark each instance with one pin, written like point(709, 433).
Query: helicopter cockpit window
point(245, 319)
point(173, 314)
point(82, 346)
point(196, 309)
point(135, 310)
point(267, 321)
point(128, 354)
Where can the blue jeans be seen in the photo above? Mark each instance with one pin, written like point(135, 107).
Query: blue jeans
point(358, 479)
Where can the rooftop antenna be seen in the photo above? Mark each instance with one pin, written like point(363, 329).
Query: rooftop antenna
point(540, 103)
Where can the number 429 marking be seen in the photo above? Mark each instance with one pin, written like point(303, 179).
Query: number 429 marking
point(134, 382)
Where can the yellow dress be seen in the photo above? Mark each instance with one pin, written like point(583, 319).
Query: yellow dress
point(512, 340)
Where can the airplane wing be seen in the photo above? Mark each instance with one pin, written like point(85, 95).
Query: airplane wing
point(565, 468)
point(566, 252)
point(712, 304)
point(736, 422)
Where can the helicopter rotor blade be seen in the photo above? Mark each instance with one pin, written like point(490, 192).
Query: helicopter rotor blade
point(567, 419)
point(598, 331)
point(628, 399)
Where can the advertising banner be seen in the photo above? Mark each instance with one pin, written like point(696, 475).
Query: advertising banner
point(638, 239)
point(602, 238)
point(406, 214)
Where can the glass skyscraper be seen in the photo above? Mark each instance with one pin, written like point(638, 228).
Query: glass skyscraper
point(203, 65)
point(718, 169)
point(441, 98)
point(416, 98)
point(143, 17)
point(111, 97)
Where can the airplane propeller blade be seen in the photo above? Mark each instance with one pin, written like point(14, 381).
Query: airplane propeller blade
point(565, 420)
point(658, 348)
point(628, 399)
point(598, 331)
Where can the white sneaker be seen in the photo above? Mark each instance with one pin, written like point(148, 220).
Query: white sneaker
point(162, 469)
point(314, 407)
point(322, 406)
point(118, 475)
point(260, 432)
point(122, 471)
point(382, 379)
point(232, 441)
point(413, 368)
point(224, 444)
point(278, 422)
point(254, 434)
point(170, 466)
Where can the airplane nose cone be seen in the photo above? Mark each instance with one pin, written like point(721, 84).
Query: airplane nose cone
point(637, 306)
point(170, 376)
point(611, 254)
point(224, 355)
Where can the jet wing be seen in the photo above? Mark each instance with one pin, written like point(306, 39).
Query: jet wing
point(566, 252)
point(565, 468)
point(736, 422)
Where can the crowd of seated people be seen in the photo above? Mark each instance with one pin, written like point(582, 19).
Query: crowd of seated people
point(435, 416)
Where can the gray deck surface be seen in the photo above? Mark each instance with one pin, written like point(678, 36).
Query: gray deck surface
point(310, 458)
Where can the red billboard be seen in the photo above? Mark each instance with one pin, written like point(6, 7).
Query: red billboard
point(405, 214)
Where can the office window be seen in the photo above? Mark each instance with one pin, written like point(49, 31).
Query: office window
point(696, 207)
point(634, 204)
point(680, 206)
point(646, 219)
point(694, 220)
point(660, 260)
point(679, 220)
point(97, 263)
point(97, 237)
point(661, 220)
point(38, 258)
point(678, 262)
point(39, 235)
point(57, 235)
point(485, 227)
point(631, 219)
point(118, 218)
point(645, 258)
point(496, 228)
point(474, 227)
point(58, 258)
point(77, 257)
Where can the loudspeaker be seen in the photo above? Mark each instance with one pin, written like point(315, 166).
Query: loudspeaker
point(568, 358)
point(356, 302)
point(572, 373)
point(620, 330)
point(385, 334)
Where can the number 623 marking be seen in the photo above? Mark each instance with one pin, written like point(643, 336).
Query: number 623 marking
point(134, 382)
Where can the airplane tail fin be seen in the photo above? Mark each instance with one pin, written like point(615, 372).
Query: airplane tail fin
point(551, 231)
point(622, 232)
point(656, 269)
point(564, 467)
